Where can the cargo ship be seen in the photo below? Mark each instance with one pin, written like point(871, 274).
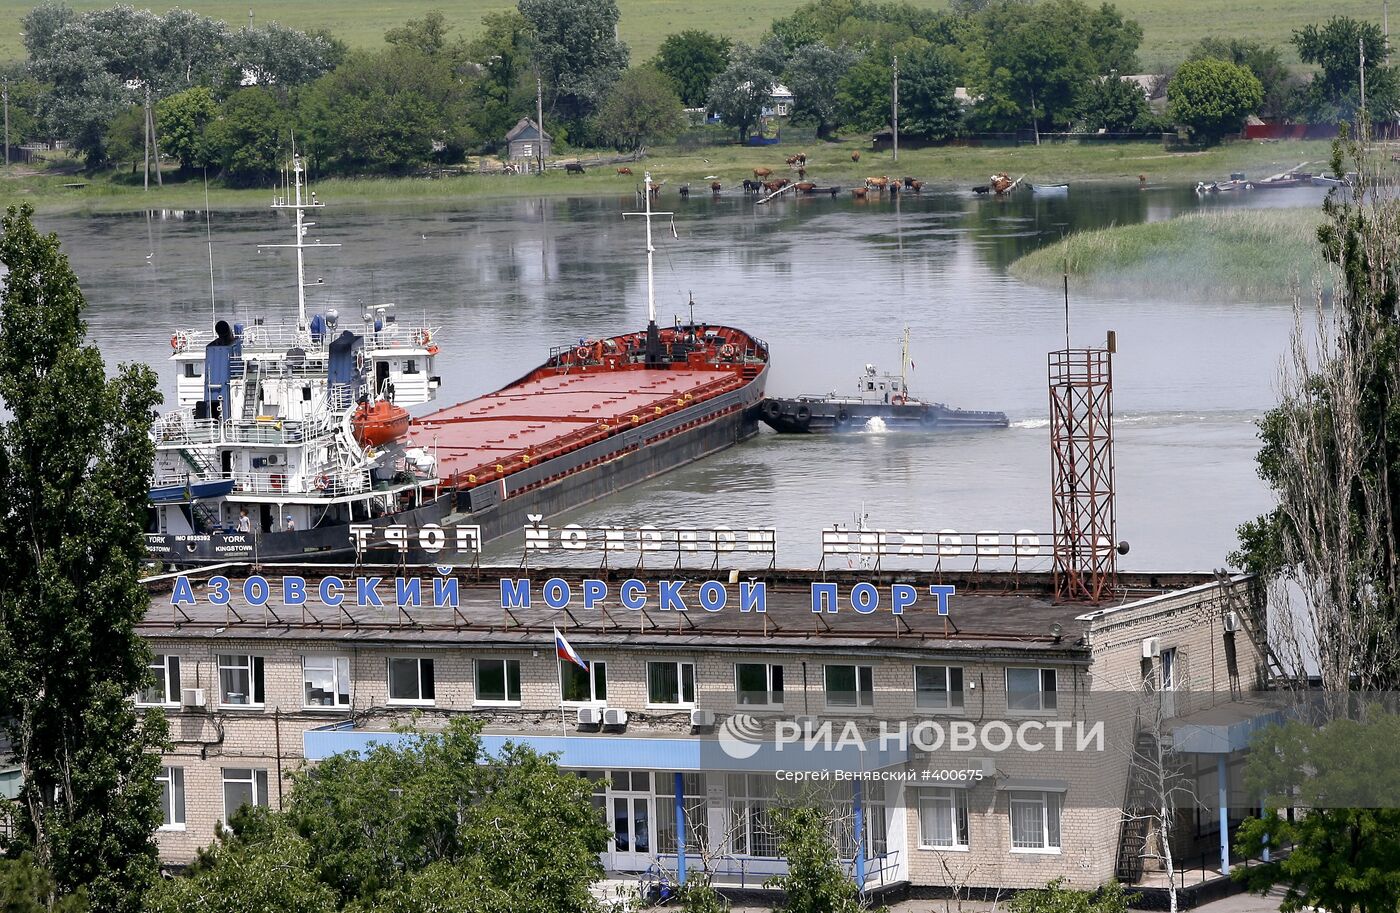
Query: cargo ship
point(881, 402)
point(285, 437)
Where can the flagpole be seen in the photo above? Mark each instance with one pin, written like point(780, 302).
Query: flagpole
point(559, 676)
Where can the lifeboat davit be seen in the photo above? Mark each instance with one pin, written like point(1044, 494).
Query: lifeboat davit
point(378, 423)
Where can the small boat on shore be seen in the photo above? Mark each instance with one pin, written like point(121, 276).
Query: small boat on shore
point(1050, 190)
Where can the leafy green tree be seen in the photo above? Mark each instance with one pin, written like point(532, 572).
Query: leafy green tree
point(126, 137)
point(740, 92)
point(1342, 859)
point(1212, 98)
point(1056, 898)
point(273, 55)
point(388, 111)
point(576, 52)
point(692, 59)
point(643, 107)
point(270, 875)
point(503, 87)
point(184, 119)
point(427, 36)
point(865, 93)
point(75, 459)
point(1112, 104)
point(1334, 93)
point(815, 881)
point(26, 96)
point(190, 49)
point(814, 75)
point(927, 108)
point(25, 887)
point(697, 895)
point(249, 138)
point(1281, 87)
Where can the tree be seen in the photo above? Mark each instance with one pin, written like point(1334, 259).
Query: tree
point(814, 75)
point(427, 36)
point(75, 461)
point(25, 887)
point(273, 55)
point(864, 95)
point(576, 52)
point(249, 138)
point(815, 881)
point(1212, 98)
point(642, 108)
point(927, 108)
point(739, 93)
point(1335, 91)
point(692, 59)
point(126, 137)
point(1112, 104)
point(1265, 62)
point(184, 117)
point(503, 87)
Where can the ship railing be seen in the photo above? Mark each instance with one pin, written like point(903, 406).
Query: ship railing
point(309, 369)
point(173, 431)
point(401, 336)
point(332, 483)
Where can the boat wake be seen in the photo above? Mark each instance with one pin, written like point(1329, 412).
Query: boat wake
point(876, 425)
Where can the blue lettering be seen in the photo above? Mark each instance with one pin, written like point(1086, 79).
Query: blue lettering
point(255, 590)
point(824, 598)
point(557, 593)
point(865, 598)
point(753, 597)
point(594, 592)
point(367, 593)
point(408, 591)
point(218, 590)
point(445, 593)
point(670, 593)
point(183, 593)
point(332, 591)
point(941, 592)
point(515, 594)
point(713, 595)
point(294, 590)
point(902, 596)
point(633, 595)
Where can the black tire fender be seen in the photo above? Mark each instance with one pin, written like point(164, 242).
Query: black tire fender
point(803, 413)
point(772, 408)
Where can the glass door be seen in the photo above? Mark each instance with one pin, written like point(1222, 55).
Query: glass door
point(630, 803)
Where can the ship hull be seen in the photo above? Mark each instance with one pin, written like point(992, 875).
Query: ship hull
point(506, 506)
point(820, 416)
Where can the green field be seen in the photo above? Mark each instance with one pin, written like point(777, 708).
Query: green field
point(1254, 255)
point(828, 163)
point(1171, 26)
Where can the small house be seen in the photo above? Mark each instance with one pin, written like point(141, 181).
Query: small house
point(526, 140)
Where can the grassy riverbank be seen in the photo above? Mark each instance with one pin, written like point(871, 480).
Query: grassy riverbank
point(1256, 254)
point(828, 163)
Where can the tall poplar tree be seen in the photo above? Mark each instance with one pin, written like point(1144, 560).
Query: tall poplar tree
point(75, 459)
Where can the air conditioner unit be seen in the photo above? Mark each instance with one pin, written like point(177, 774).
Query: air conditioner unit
point(1232, 622)
point(702, 719)
point(987, 766)
point(589, 716)
point(1151, 647)
point(614, 716)
point(192, 697)
point(272, 459)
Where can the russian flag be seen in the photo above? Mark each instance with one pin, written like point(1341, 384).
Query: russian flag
point(564, 650)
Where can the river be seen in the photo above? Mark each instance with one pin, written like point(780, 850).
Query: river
point(829, 283)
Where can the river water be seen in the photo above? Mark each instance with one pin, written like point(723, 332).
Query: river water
point(829, 284)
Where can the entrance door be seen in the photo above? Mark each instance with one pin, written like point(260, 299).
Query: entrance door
point(630, 804)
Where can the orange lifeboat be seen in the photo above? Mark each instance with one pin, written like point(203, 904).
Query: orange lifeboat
point(378, 423)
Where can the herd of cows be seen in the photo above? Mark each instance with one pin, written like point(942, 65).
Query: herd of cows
point(764, 181)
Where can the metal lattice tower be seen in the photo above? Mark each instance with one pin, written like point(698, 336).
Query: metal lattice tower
point(1081, 473)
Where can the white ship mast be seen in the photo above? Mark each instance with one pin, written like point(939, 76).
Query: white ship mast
point(299, 204)
point(651, 249)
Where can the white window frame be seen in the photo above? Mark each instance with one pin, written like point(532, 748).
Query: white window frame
point(165, 667)
point(1168, 659)
point(257, 681)
point(1043, 674)
point(339, 668)
point(864, 698)
point(954, 700)
point(420, 700)
point(954, 803)
point(681, 666)
point(256, 778)
point(594, 667)
point(769, 692)
point(172, 798)
point(1050, 806)
point(510, 700)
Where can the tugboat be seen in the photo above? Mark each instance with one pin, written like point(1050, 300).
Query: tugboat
point(881, 402)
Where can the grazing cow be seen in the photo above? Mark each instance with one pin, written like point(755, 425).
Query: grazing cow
point(715, 187)
point(916, 186)
point(806, 186)
point(859, 192)
point(908, 183)
point(801, 158)
point(792, 160)
point(762, 173)
point(855, 156)
point(624, 170)
point(573, 168)
point(684, 191)
point(775, 186)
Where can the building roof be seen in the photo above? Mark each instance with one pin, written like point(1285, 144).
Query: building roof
point(990, 613)
point(525, 129)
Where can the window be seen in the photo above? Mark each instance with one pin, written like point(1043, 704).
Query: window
point(527, 149)
point(411, 681)
point(1030, 689)
point(758, 685)
point(938, 687)
point(753, 800)
point(850, 686)
point(671, 683)
point(243, 786)
point(875, 834)
point(194, 369)
point(693, 799)
point(1169, 669)
point(943, 818)
point(1035, 822)
point(326, 681)
point(240, 681)
point(583, 687)
point(498, 681)
point(165, 688)
point(410, 366)
point(172, 798)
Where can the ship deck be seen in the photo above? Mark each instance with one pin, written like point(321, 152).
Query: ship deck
point(545, 416)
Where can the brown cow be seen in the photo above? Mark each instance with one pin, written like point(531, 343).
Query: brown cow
point(802, 173)
point(792, 160)
point(859, 192)
point(879, 183)
point(855, 156)
point(762, 173)
point(801, 158)
point(775, 186)
point(624, 171)
point(715, 187)
point(916, 186)
point(806, 186)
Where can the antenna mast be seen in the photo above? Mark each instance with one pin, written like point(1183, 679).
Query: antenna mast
point(904, 364)
point(300, 205)
point(647, 213)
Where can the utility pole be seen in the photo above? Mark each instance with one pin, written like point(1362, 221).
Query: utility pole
point(5, 93)
point(155, 140)
point(539, 121)
point(894, 109)
point(1361, 42)
point(146, 142)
